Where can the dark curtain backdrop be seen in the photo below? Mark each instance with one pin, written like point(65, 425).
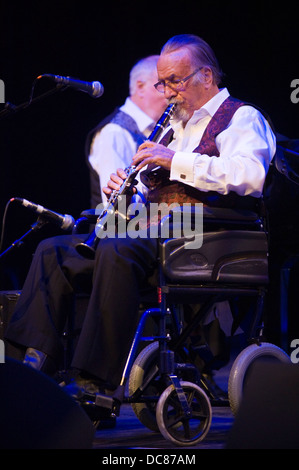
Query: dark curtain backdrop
point(42, 146)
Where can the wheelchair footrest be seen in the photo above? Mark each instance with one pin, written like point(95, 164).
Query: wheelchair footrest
point(102, 407)
point(104, 401)
point(96, 412)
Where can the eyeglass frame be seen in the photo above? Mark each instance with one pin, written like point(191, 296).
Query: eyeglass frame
point(175, 83)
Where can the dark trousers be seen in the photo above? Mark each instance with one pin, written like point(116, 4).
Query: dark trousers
point(120, 269)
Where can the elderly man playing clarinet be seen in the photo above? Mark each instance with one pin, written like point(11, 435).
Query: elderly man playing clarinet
point(216, 151)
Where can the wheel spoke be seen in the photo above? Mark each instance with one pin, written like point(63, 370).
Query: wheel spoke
point(190, 397)
point(186, 425)
point(173, 420)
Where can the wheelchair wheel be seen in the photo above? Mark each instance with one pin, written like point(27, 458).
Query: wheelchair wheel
point(144, 363)
point(172, 422)
point(242, 366)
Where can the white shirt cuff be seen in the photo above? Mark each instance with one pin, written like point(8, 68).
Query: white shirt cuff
point(182, 167)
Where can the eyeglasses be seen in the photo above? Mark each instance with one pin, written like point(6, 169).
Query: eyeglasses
point(177, 85)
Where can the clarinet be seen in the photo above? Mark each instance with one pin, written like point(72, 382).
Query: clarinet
point(88, 247)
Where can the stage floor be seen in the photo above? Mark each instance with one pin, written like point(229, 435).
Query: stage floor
point(129, 433)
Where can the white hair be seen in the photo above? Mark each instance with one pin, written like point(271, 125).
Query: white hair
point(142, 70)
point(202, 53)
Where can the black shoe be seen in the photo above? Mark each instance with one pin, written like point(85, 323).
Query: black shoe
point(81, 389)
point(39, 361)
point(103, 418)
point(95, 399)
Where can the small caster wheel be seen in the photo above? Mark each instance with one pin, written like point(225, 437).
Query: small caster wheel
point(174, 425)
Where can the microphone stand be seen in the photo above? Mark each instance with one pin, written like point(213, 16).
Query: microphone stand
point(10, 108)
point(17, 243)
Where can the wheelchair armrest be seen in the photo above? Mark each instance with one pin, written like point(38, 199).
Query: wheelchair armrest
point(228, 214)
point(218, 217)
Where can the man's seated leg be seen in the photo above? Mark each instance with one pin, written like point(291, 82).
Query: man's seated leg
point(46, 301)
point(122, 267)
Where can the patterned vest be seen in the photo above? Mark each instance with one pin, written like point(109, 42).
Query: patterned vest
point(161, 189)
point(126, 122)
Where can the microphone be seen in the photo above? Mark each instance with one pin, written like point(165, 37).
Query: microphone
point(65, 221)
point(94, 89)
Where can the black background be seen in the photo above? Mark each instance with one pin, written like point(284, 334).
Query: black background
point(42, 147)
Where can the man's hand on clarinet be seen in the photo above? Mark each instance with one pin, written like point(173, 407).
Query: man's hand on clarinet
point(150, 152)
point(115, 182)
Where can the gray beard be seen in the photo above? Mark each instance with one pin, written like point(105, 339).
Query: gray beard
point(180, 113)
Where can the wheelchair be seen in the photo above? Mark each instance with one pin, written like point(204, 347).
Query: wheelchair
point(161, 382)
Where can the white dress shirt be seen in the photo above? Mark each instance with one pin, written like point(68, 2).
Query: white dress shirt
point(113, 147)
point(246, 149)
